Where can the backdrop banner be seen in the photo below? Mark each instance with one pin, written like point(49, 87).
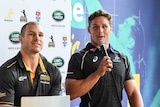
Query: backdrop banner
point(53, 15)
point(65, 27)
point(131, 19)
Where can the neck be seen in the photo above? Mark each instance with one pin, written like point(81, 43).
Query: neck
point(106, 45)
point(30, 60)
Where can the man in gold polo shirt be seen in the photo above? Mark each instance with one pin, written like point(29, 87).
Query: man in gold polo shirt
point(28, 73)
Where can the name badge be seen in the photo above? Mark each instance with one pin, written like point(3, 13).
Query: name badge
point(44, 77)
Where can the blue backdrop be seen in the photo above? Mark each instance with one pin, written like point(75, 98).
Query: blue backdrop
point(138, 19)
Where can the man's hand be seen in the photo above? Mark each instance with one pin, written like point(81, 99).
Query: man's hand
point(106, 65)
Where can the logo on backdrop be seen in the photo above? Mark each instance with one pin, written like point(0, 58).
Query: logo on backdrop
point(14, 37)
point(58, 62)
point(9, 15)
point(58, 15)
point(24, 17)
point(38, 15)
point(51, 44)
point(64, 41)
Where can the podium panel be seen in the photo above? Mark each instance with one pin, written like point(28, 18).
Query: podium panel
point(45, 101)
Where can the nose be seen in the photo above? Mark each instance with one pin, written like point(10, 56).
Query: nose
point(100, 29)
point(36, 36)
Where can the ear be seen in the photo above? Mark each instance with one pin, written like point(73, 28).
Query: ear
point(110, 28)
point(88, 28)
point(20, 38)
point(131, 43)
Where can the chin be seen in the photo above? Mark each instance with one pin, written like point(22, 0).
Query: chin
point(37, 51)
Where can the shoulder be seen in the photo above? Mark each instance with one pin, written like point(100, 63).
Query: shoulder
point(122, 56)
point(77, 57)
point(10, 68)
point(77, 54)
point(83, 51)
point(11, 63)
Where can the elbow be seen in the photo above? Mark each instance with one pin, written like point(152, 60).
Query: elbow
point(72, 89)
point(71, 94)
point(136, 100)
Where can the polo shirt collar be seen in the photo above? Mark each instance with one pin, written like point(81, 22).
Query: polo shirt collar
point(21, 64)
point(90, 46)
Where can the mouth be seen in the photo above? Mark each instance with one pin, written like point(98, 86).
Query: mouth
point(100, 37)
point(36, 44)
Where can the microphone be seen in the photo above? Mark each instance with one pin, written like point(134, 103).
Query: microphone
point(102, 48)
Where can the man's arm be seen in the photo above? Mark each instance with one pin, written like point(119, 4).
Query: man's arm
point(2, 104)
point(5, 105)
point(133, 93)
point(76, 88)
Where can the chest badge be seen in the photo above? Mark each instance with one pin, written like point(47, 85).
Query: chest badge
point(44, 77)
point(22, 78)
point(95, 58)
point(116, 59)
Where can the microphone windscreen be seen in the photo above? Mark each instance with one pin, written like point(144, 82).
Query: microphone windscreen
point(100, 43)
point(102, 48)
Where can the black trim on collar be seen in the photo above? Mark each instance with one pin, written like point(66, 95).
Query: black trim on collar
point(90, 46)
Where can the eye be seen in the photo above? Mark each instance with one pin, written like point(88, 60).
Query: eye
point(41, 35)
point(105, 27)
point(31, 34)
point(95, 27)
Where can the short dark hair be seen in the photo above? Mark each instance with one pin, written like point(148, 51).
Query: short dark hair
point(28, 23)
point(99, 13)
